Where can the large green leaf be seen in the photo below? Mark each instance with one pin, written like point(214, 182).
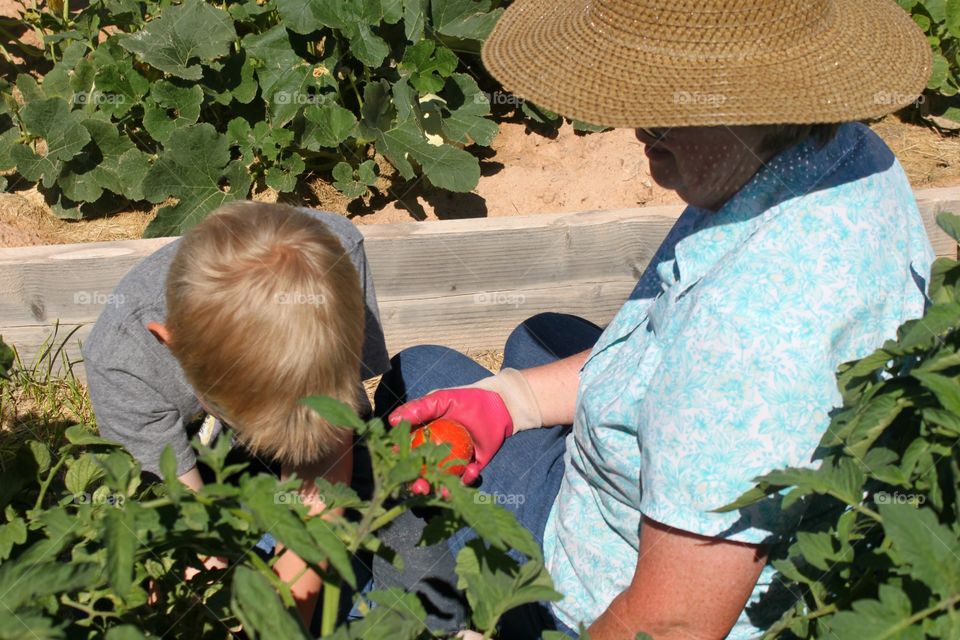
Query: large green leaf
point(468, 107)
point(120, 170)
point(169, 107)
point(183, 35)
point(401, 140)
point(257, 605)
point(63, 132)
point(950, 222)
point(194, 163)
point(326, 126)
point(939, 320)
point(80, 473)
point(333, 411)
point(466, 19)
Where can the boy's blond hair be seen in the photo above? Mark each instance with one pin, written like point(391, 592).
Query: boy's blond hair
point(264, 308)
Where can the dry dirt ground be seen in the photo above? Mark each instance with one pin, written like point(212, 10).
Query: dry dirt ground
point(524, 173)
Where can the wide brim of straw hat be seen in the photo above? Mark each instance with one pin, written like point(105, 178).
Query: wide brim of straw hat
point(643, 63)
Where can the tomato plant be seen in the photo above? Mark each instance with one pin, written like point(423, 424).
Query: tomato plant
point(82, 535)
point(877, 551)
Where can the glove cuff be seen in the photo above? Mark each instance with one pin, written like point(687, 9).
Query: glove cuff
point(514, 390)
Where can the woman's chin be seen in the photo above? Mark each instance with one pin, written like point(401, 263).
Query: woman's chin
point(664, 173)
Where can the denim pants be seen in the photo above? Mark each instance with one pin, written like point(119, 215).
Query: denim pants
point(524, 476)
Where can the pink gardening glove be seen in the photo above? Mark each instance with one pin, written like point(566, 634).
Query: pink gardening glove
point(481, 412)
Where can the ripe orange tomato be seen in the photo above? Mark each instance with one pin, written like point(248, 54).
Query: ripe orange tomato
point(444, 431)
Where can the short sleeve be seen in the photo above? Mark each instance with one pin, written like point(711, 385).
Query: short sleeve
point(131, 412)
point(745, 386)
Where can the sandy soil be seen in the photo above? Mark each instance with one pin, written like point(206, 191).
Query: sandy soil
point(524, 173)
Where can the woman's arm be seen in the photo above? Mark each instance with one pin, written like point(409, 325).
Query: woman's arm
point(555, 387)
point(685, 586)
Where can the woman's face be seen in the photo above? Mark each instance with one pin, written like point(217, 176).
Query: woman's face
point(706, 166)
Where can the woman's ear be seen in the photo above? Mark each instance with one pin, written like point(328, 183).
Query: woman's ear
point(160, 332)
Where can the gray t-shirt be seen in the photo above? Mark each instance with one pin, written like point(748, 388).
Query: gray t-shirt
point(138, 390)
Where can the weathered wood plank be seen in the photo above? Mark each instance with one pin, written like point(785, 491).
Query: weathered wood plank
point(464, 283)
point(932, 202)
point(73, 282)
point(463, 321)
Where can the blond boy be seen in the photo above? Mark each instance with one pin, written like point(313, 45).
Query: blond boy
point(254, 308)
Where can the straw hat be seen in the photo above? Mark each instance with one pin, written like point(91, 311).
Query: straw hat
point(664, 63)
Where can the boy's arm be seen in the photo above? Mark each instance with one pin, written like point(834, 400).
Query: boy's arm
point(139, 416)
point(338, 467)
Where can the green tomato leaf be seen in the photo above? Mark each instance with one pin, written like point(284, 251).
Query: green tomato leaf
point(398, 615)
point(333, 411)
point(936, 323)
point(946, 389)
point(929, 549)
point(279, 511)
point(258, 607)
point(183, 34)
point(80, 435)
point(887, 618)
point(11, 534)
point(495, 583)
point(950, 223)
point(121, 541)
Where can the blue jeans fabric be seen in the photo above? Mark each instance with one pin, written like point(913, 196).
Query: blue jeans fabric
point(524, 477)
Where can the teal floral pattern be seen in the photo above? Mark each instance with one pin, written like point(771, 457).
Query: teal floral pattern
point(721, 365)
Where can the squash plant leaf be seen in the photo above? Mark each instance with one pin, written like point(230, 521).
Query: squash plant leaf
point(194, 163)
point(183, 36)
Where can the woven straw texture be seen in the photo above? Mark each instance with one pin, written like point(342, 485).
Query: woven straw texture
point(667, 63)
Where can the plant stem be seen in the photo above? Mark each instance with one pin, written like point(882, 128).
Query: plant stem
point(46, 481)
point(949, 603)
point(386, 518)
point(356, 92)
point(331, 605)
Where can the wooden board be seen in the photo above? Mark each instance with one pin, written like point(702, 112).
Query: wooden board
point(463, 283)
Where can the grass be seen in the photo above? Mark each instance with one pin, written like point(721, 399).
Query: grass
point(41, 398)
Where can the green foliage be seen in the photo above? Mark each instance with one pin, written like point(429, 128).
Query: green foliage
point(85, 541)
point(877, 554)
point(940, 21)
point(194, 104)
